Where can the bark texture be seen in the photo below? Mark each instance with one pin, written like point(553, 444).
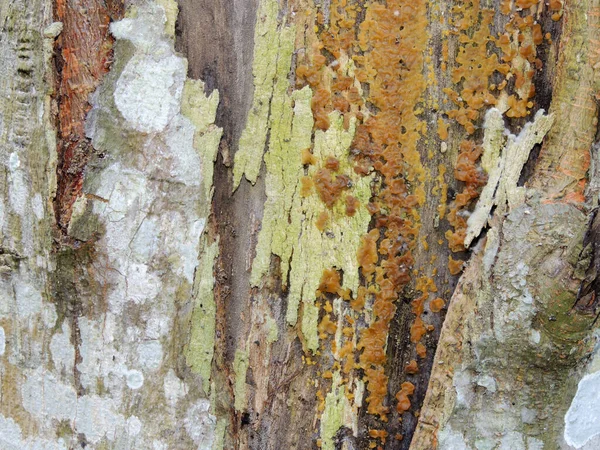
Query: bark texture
point(243, 224)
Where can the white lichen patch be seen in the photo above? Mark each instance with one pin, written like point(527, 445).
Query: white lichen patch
point(28, 298)
point(44, 396)
point(135, 379)
point(145, 206)
point(148, 92)
point(134, 426)
point(200, 424)
point(2, 341)
point(504, 156)
point(174, 388)
point(11, 438)
point(582, 421)
point(150, 354)
point(62, 351)
point(97, 418)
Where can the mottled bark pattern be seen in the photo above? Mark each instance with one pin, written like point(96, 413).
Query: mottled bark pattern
point(300, 224)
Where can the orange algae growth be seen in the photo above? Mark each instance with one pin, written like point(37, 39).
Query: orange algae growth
point(393, 43)
point(421, 350)
point(526, 3)
point(442, 129)
point(352, 205)
point(308, 158)
point(322, 221)
point(437, 304)
point(377, 382)
point(455, 266)
point(474, 65)
point(474, 178)
point(332, 163)
point(367, 253)
point(358, 303)
point(330, 187)
point(417, 330)
point(332, 88)
point(326, 327)
point(406, 389)
point(412, 367)
point(330, 281)
point(378, 434)
point(306, 186)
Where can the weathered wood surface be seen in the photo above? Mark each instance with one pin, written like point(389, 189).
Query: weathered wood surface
point(241, 224)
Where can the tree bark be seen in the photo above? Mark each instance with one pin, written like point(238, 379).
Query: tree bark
point(292, 224)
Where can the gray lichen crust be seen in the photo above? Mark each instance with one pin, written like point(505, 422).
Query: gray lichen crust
point(88, 334)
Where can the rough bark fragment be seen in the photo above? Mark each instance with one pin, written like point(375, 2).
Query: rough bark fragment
point(85, 53)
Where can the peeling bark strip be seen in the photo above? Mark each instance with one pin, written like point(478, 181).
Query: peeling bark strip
point(84, 55)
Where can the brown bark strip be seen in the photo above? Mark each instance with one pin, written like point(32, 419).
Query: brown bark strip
point(564, 160)
point(83, 57)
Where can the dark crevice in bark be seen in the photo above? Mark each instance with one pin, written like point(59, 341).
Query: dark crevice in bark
point(217, 38)
point(588, 297)
point(544, 84)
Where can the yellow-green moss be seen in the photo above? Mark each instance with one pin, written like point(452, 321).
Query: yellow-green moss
point(288, 228)
point(201, 111)
point(171, 11)
point(273, 46)
point(199, 352)
point(337, 413)
point(219, 442)
point(240, 367)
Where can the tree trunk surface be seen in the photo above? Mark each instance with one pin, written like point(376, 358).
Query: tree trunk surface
point(299, 224)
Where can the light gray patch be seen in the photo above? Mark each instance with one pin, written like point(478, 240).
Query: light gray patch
point(146, 240)
point(38, 206)
point(44, 396)
point(2, 341)
point(487, 382)
point(200, 424)
point(97, 418)
point(159, 445)
point(148, 92)
point(451, 440)
point(528, 416)
point(10, 434)
point(582, 421)
point(534, 444)
point(512, 441)
point(18, 191)
point(134, 426)
point(49, 315)
point(185, 161)
point(174, 387)
point(29, 299)
point(135, 379)
point(150, 354)
point(63, 353)
point(463, 384)
point(98, 357)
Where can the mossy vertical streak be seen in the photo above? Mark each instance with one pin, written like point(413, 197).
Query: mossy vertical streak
point(271, 41)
